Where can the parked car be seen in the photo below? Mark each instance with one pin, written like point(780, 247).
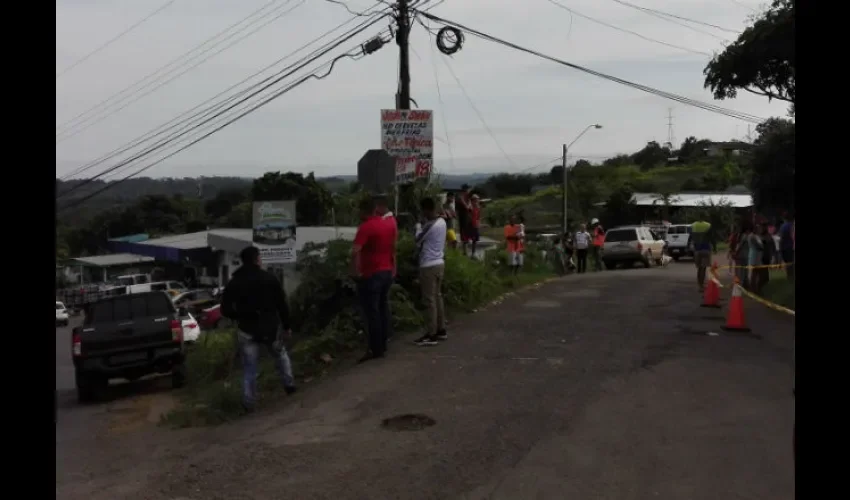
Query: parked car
point(631, 244)
point(61, 314)
point(128, 337)
point(191, 328)
point(194, 299)
point(679, 241)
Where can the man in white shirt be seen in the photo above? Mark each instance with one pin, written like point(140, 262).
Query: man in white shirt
point(431, 244)
point(582, 243)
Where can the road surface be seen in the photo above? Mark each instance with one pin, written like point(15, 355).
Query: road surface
point(600, 386)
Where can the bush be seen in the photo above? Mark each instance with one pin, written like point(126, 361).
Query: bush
point(327, 322)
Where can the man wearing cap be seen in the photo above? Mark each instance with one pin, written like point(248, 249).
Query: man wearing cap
point(703, 240)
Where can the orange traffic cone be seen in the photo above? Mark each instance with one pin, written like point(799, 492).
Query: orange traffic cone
point(711, 298)
point(735, 319)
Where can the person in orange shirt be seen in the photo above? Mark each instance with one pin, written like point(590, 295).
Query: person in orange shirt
point(514, 245)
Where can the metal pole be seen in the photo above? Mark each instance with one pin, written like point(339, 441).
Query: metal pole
point(402, 39)
point(564, 192)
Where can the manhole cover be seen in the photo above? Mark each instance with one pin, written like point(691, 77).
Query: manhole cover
point(409, 422)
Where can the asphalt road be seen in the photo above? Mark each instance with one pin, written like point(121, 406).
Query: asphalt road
point(600, 386)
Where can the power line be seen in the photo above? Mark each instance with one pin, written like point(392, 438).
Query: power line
point(175, 122)
point(667, 95)
point(440, 97)
point(662, 14)
point(229, 121)
point(206, 119)
point(634, 33)
point(86, 116)
point(115, 38)
point(477, 112)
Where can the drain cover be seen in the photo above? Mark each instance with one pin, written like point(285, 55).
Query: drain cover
point(408, 422)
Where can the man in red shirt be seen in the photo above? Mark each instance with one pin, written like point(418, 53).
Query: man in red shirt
point(373, 266)
point(474, 223)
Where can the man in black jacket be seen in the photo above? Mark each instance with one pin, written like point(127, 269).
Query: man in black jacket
point(254, 299)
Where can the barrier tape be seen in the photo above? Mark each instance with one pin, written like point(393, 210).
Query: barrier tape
point(760, 300)
point(767, 266)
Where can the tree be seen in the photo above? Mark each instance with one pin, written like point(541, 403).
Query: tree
point(509, 185)
point(773, 165)
point(692, 148)
point(651, 155)
point(761, 61)
point(313, 200)
point(620, 209)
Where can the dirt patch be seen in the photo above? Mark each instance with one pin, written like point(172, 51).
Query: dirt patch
point(408, 422)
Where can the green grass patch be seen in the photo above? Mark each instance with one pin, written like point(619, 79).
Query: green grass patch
point(780, 290)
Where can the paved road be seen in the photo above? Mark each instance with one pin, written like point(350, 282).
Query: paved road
point(601, 386)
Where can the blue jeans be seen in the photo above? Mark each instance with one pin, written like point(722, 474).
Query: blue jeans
point(250, 352)
point(374, 295)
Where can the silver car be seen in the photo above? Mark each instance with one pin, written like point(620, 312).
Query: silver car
point(631, 244)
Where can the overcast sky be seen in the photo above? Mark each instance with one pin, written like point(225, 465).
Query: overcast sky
point(531, 105)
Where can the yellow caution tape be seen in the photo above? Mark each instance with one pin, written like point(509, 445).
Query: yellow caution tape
point(760, 300)
point(768, 266)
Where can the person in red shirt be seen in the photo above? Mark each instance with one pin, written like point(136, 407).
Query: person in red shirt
point(373, 267)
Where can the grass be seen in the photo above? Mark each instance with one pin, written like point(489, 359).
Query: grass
point(780, 290)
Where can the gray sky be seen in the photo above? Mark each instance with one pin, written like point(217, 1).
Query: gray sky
point(531, 105)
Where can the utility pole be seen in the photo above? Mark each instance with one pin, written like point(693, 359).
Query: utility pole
point(403, 92)
point(564, 227)
point(403, 24)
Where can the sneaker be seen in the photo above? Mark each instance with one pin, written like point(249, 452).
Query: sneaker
point(425, 340)
point(442, 335)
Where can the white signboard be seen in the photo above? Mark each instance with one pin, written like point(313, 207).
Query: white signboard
point(274, 231)
point(408, 136)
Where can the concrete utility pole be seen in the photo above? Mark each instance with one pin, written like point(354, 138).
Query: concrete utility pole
point(564, 187)
point(403, 92)
point(403, 24)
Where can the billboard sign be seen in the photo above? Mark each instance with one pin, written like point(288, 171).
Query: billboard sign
point(408, 136)
point(273, 224)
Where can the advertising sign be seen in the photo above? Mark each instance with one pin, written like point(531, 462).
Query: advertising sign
point(408, 136)
point(274, 231)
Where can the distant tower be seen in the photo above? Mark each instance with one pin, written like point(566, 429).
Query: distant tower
point(671, 139)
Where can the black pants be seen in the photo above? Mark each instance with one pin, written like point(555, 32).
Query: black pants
point(597, 258)
point(374, 295)
point(581, 257)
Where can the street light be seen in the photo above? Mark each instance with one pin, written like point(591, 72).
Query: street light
point(566, 149)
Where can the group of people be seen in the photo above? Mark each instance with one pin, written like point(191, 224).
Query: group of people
point(462, 214)
point(573, 249)
point(753, 245)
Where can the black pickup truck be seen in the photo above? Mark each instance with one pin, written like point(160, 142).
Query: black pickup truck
point(127, 336)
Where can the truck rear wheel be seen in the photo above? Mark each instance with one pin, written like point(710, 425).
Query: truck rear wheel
point(178, 376)
point(88, 387)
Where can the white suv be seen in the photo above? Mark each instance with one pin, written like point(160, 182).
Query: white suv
point(630, 244)
point(61, 314)
point(679, 241)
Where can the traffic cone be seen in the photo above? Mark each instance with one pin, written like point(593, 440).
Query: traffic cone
point(735, 319)
point(711, 298)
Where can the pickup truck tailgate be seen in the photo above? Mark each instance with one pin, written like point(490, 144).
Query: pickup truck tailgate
point(127, 323)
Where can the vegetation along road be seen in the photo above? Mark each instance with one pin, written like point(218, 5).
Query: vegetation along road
point(602, 386)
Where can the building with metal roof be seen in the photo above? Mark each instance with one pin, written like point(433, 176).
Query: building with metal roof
point(115, 259)
point(694, 199)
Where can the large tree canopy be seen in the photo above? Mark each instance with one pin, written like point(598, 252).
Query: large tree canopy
point(761, 61)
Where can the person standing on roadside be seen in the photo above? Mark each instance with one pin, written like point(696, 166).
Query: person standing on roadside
point(430, 243)
point(582, 244)
point(474, 223)
point(513, 244)
point(255, 301)
point(373, 266)
point(450, 216)
point(786, 245)
point(463, 208)
point(741, 254)
point(702, 239)
point(755, 250)
point(598, 243)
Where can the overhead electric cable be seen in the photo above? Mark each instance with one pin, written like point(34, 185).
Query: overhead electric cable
point(440, 97)
point(170, 125)
point(229, 121)
point(674, 16)
point(115, 38)
point(667, 95)
point(630, 32)
point(72, 127)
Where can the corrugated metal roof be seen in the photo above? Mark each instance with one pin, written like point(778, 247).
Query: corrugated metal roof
point(116, 259)
point(189, 241)
point(303, 234)
point(695, 199)
point(132, 238)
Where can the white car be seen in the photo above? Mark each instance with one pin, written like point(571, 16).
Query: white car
point(631, 244)
point(679, 241)
point(61, 314)
point(191, 330)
